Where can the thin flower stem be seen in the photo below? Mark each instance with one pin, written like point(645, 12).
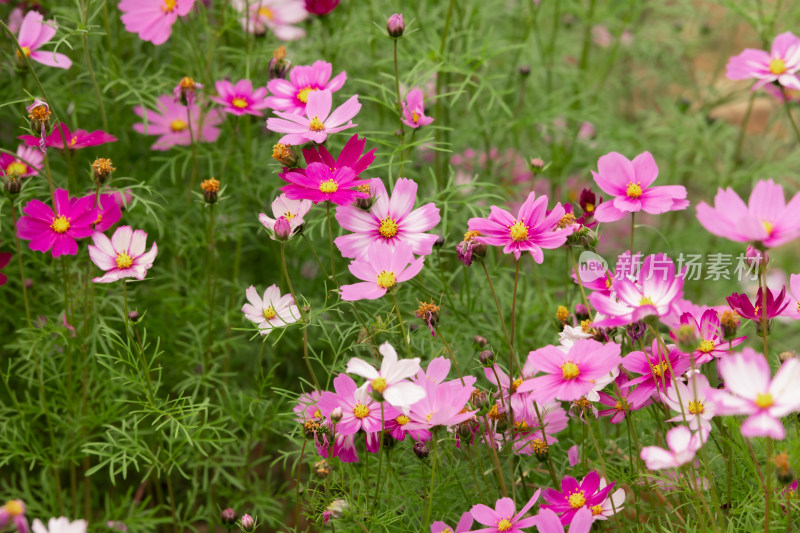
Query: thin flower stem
point(49, 178)
point(440, 75)
point(297, 505)
point(316, 256)
point(789, 114)
point(380, 457)
point(145, 366)
point(303, 316)
point(743, 127)
point(633, 229)
point(330, 236)
point(544, 439)
point(211, 280)
point(502, 322)
point(449, 353)
point(193, 179)
point(514, 310)
point(602, 461)
point(21, 268)
point(768, 485)
point(492, 446)
point(397, 87)
point(402, 324)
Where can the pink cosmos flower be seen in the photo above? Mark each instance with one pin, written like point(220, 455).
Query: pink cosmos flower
point(766, 218)
point(712, 339)
point(793, 310)
point(620, 402)
point(318, 122)
point(381, 271)
point(359, 410)
point(463, 526)
point(611, 505)
point(292, 95)
point(547, 522)
point(17, 166)
point(319, 183)
point(388, 222)
point(61, 137)
point(445, 402)
point(122, 256)
point(689, 400)
point(575, 496)
point(531, 231)
point(240, 99)
point(391, 381)
point(529, 433)
point(306, 407)
point(33, 33)
point(14, 511)
point(109, 211)
point(352, 155)
point(655, 292)
point(279, 16)
point(780, 65)
point(653, 365)
point(171, 123)
point(57, 230)
point(629, 182)
point(569, 375)
point(414, 111)
point(291, 210)
point(5, 257)
point(750, 391)
point(683, 445)
point(776, 304)
point(503, 518)
point(152, 20)
point(270, 311)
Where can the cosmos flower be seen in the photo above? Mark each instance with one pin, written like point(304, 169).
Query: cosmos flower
point(464, 524)
point(620, 403)
point(61, 137)
point(654, 366)
point(391, 381)
point(240, 99)
point(35, 32)
point(109, 212)
point(683, 445)
point(359, 410)
point(58, 228)
point(414, 111)
point(690, 402)
point(712, 339)
point(318, 121)
point(575, 496)
point(270, 311)
point(122, 256)
point(60, 525)
point(14, 511)
point(390, 221)
point(291, 210)
point(26, 164)
point(380, 271)
point(171, 123)
point(547, 522)
point(319, 183)
point(532, 230)
point(278, 16)
point(776, 304)
point(152, 20)
point(629, 183)
point(503, 518)
point(322, 7)
point(780, 65)
point(291, 95)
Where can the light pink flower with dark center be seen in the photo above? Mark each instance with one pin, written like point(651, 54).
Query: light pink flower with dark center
point(14, 511)
point(319, 121)
point(278, 16)
point(240, 99)
point(630, 183)
point(390, 221)
point(152, 20)
point(503, 518)
point(122, 256)
point(292, 95)
point(380, 271)
point(779, 65)
point(62, 137)
point(33, 33)
point(414, 111)
point(171, 123)
point(58, 228)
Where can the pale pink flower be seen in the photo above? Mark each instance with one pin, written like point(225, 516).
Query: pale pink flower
point(414, 110)
point(270, 311)
point(779, 65)
point(60, 525)
point(291, 210)
point(33, 33)
point(319, 121)
point(27, 163)
point(391, 381)
point(122, 256)
point(548, 522)
point(359, 410)
point(14, 512)
point(278, 16)
point(171, 123)
point(152, 20)
point(381, 271)
point(689, 400)
point(683, 445)
point(292, 95)
point(240, 99)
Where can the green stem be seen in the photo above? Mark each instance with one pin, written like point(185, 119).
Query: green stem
point(743, 127)
point(380, 458)
point(789, 114)
point(402, 324)
point(513, 316)
point(439, 107)
point(330, 236)
point(502, 321)
point(433, 478)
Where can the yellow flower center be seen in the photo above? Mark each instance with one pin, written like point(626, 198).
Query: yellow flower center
point(504, 525)
point(589, 207)
point(576, 500)
point(288, 216)
point(360, 411)
point(178, 125)
point(60, 224)
point(515, 385)
point(16, 168)
point(124, 260)
point(328, 186)
point(302, 94)
point(596, 510)
point(239, 103)
point(316, 124)
point(521, 426)
point(388, 228)
point(403, 420)
point(519, 231)
point(386, 279)
point(317, 414)
point(98, 220)
point(764, 400)
point(379, 384)
point(269, 313)
point(414, 117)
point(73, 141)
point(706, 346)
point(768, 227)
point(266, 13)
point(169, 6)
point(25, 50)
point(696, 408)
point(646, 301)
point(777, 66)
point(660, 369)
point(570, 370)
point(634, 190)
point(14, 508)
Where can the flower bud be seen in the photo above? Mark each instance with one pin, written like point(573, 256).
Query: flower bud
point(536, 164)
point(421, 450)
point(133, 316)
point(486, 357)
point(729, 320)
point(102, 169)
point(686, 338)
point(336, 415)
point(278, 65)
point(210, 189)
point(636, 330)
point(395, 26)
point(12, 184)
point(285, 155)
point(540, 450)
point(581, 313)
point(28, 283)
point(228, 516)
point(479, 398)
point(479, 341)
point(756, 259)
point(439, 242)
point(282, 229)
point(464, 430)
point(248, 524)
point(785, 356)
point(525, 70)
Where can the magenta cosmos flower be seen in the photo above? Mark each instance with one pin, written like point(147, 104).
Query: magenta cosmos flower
point(570, 374)
point(653, 365)
point(575, 496)
point(241, 99)
point(359, 410)
point(152, 20)
point(318, 122)
point(57, 230)
point(26, 164)
point(753, 310)
point(463, 526)
point(390, 221)
point(532, 230)
point(5, 257)
point(547, 522)
point(766, 218)
point(414, 111)
point(319, 183)
point(683, 445)
point(780, 64)
point(391, 381)
point(14, 511)
point(171, 123)
point(122, 256)
point(712, 339)
point(33, 33)
point(321, 7)
point(380, 271)
point(629, 182)
point(270, 311)
point(109, 211)
point(278, 16)
point(503, 518)
point(61, 137)
point(292, 95)
point(750, 391)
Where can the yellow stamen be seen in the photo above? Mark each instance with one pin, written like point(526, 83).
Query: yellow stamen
point(519, 231)
point(386, 279)
point(26, 51)
point(696, 407)
point(73, 141)
point(317, 414)
point(361, 411)
point(266, 13)
point(388, 228)
point(169, 6)
point(239, 103)
point(98, 220)
point(328, 186)
point(706, 346)
point(515, 385)
point(60, 224)
point(660, 369)
point(777, 66)
point(379, 384)
point(570, 370)
point(634, 190)
point(316, 124)
point(124, 260)
point(302, 94)
point(269, 313)
point(589, 208)
point(768, 227)
point(504, 525)
point(178, 125)
point(576, 500)
point(403, 420)
point(646, 301)
point(414, 117)
point(764, 400)
point(596, 510)
point(562, 314)
point(16, 168)
point(288, 216)
point(14, 508)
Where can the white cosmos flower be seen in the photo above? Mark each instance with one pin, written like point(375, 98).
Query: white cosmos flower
point(390, 381)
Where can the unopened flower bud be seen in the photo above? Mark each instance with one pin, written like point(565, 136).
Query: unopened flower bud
point(413, 327)
point(395, 26)
point(133, 316)
point(282, 229)
point(479, 341)
point(12, 184)
point(248, 524)
point(28, 283)
point(729, 320)
point(525, 70)
point(479, 398)
point(336, 415)
point(636, 330)
point(278, 65)
point(210, 189)
point(399, 133)
point(421, 450)
point(102, 169)
point(463, 430)
point(581, 313)
point(536, 164)
point(686, 338)
point(439, 242)
point(786, 356)
point(228, 516)
point(540, 450)
point(486, 357)
point(285, 155)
